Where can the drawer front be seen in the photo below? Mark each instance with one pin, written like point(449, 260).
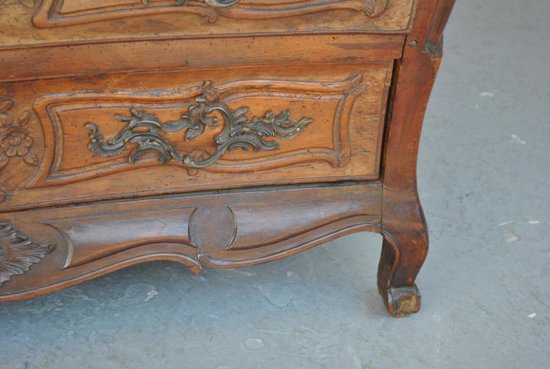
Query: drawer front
point(85, 139)
point(62, 21)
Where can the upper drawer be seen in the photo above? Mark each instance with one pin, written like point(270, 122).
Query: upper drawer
point(64, 21)
point(85, 139)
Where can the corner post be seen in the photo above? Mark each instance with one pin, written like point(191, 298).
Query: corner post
point(404, 228)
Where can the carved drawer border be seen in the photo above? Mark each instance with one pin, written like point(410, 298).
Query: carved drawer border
point(49, 14)
point(46, 107)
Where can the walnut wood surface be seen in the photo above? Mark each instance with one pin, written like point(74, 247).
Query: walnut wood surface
point(69, 21)
point(404, 228)
point(354, 76)
point(133, 56)
point(229, 230)
point(345, 103)
point(59, 13)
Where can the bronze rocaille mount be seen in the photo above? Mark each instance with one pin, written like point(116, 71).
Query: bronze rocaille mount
point(144, 129)
point(18, 253)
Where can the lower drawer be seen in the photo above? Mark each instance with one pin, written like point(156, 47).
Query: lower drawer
point(84, 139)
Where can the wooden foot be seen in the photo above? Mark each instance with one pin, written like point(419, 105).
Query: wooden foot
point(403, 253)
point(403, 301)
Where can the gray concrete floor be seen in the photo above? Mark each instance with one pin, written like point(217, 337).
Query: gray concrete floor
point(485, 183)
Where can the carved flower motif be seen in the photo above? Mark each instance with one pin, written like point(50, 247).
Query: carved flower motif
point(15, 140)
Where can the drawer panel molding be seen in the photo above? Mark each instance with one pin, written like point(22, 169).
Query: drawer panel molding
point(58, 13)
point(145, 130)
point(236, 133)
point(109, 137)
point(370, 8)
point(105, 23)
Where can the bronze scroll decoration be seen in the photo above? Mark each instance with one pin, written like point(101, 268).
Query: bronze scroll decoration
point(144, 129)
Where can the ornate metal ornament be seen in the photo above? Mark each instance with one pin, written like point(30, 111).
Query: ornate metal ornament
point(18, 253)
point(144, 129)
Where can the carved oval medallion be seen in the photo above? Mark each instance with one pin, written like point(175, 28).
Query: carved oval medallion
point(213, 228)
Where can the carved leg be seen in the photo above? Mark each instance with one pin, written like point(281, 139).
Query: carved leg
point(404, 250)
point(403, 226)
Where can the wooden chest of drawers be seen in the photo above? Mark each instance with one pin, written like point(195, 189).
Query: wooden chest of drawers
point(215, 133)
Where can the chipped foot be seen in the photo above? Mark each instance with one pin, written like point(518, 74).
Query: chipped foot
point(402, 301)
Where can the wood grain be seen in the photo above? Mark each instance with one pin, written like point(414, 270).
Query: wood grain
point(404, 228)
point(133, 56)
point(74, 21)
point(354, 76)
point(92, 240)
point(346, 104)
point(59, 13)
